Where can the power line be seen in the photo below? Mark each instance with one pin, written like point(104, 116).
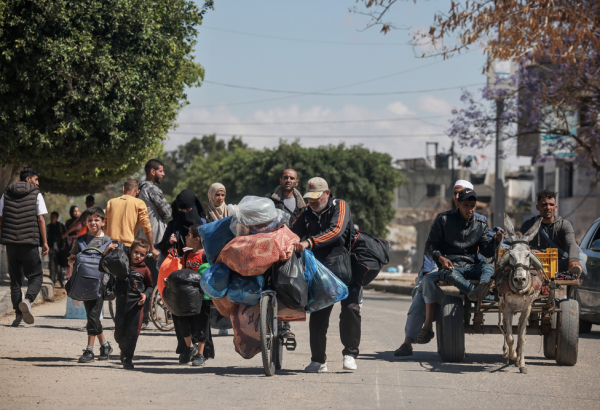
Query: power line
point(309, 136)
point(327, 89)
point(319, 122)
point(340, 94)
point(303, 40)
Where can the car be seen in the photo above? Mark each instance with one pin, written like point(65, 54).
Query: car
point(588, 292)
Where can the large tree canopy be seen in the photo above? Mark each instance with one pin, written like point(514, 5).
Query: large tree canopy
point(89, 89)
point(365, 179)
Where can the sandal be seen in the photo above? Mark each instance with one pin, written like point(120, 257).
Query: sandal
point(287, 334)
point(404, 350)
point(425, 336)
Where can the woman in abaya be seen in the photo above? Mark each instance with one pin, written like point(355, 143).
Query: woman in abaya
point(217, 209)
point(187, 211)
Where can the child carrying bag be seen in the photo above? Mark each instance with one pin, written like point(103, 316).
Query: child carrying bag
point(87, 279)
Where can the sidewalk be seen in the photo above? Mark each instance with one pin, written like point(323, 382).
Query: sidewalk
point(46, 293)
point(393, 283)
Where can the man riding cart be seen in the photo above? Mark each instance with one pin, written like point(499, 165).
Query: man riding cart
point(454, 241)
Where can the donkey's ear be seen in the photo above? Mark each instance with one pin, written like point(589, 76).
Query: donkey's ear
point(504, 259)
point(533, 231)
point(510, 228)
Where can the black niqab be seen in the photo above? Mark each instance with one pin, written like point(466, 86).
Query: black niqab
point(185, 219)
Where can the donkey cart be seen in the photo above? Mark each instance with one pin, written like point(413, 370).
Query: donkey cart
point(556, 320)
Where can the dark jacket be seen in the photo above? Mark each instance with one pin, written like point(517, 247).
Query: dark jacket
point(560, 231)
point(458, 240)
point(277, 199)
point(164, 245)
point(325, 231)
point(19, 216)
point(128, 292)
point(54, 234)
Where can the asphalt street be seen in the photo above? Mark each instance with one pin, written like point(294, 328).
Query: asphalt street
point(39, 369)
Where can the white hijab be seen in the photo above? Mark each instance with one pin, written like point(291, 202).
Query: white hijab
point(216, 212)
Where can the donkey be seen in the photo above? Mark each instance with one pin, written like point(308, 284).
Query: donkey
point(519, 283)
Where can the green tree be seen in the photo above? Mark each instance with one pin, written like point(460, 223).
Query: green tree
point(89, 89)
point(365, 179)
point(177, 162)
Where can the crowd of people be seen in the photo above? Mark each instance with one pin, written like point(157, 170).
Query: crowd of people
point(459, 248)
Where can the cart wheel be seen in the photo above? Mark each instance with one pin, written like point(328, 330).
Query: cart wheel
point(567, 327)
point(159, 313)
point(550, 340)
point(268, 335)
point(111, 309)
point(438, 331)
point(279, 350)
point(453, 330)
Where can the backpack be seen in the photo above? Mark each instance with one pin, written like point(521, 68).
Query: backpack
point(368, 255)
point(86, 281)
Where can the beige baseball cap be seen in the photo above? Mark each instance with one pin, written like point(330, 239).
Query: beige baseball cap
point(315, 188)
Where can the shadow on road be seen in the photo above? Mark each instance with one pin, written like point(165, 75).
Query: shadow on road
point(592, 335)
point(229, 371)
point(473, 362)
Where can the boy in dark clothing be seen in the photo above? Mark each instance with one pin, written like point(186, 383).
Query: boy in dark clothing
point(130, 297)
point(94, 238)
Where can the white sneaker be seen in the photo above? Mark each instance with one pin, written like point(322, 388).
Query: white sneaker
point(25, 308)
point(349, 363)
point(316, 367)
point(223, 332)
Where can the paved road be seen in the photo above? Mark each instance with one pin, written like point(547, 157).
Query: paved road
point(39, 369)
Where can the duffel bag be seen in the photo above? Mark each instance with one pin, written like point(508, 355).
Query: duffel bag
point(116, 262)
point(182, 294)
point(368, 256)
point(338, 262)
point(292, 287)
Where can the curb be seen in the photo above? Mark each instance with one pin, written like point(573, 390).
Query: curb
point(391, 288)
point(46, 294)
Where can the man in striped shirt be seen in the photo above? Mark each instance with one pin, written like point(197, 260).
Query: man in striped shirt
point(323, 225)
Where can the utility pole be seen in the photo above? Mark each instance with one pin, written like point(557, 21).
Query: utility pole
point(452, 160)
point(499, 177)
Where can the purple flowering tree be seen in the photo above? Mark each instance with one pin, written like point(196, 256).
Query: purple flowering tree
point(554, 101)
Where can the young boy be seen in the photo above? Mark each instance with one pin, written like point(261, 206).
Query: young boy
point(193, 332)
point(131, 295)
point(94, 238)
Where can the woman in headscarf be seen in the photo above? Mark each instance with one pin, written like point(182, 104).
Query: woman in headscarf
point(187, 211)
point(75, 214)
point(216, 209)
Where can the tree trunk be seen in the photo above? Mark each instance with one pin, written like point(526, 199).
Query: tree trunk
point(8, 175)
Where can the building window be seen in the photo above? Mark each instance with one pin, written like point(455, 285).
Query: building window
point(432, 190)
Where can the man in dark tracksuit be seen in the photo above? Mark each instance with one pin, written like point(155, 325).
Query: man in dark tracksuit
point(323, 225)
point(23, 231)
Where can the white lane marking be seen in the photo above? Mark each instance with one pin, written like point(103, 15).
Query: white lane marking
point(401, 404)
point(377, 384)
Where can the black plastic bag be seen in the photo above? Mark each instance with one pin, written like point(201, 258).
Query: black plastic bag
point(116, 262)
point(368, 256)
point(292, 287)
point(182, 295)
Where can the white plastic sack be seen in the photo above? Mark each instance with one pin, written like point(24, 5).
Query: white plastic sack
point(255, 215)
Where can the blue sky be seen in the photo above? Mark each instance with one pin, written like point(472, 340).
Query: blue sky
point(257, 44)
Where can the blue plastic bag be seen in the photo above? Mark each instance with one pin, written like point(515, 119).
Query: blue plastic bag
point(324, 288)
point(245, 290)
point(215, 281)
point(215, 236)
